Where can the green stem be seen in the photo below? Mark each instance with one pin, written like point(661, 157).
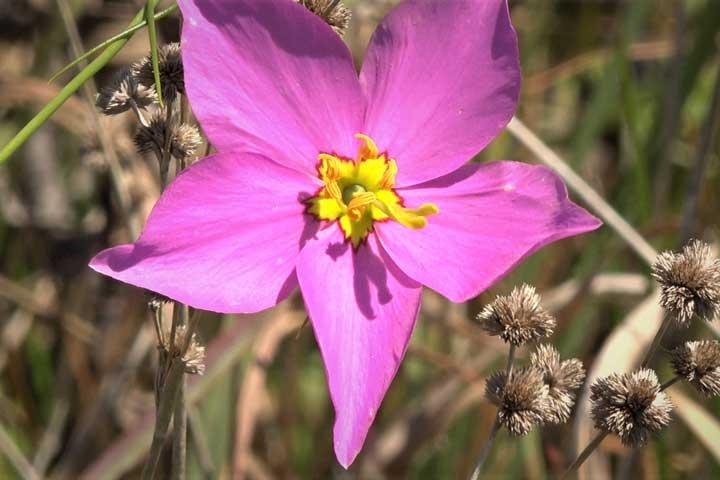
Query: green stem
point(127, 33)
point(67, 91)
point(152, 33)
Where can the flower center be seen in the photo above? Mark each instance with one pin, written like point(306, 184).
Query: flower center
point(359, 192)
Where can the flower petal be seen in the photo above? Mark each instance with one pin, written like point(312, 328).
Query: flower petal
point(363, 309)
point(442, 79)
point(272, 78)
point(491, 217)
point(226, 225)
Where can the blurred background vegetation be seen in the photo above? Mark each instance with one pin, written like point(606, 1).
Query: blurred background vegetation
point(623, 89)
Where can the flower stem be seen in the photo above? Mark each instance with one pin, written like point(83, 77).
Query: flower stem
point(592, 446)
point(179, 452)
point(496, 425)
point(125, 34)
point(510, 362)
point(165, 411)
point(152, 36)
point(180, 414)
point(165, 156)
point(486, 449)
point(656, 341)
point(670, 383)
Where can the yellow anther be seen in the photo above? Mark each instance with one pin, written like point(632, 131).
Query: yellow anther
point(357, 193)
point(329, 168)
point(333, 191)
point(388, 178)
point(369, 149)
point(409, 217)
point(359, 203)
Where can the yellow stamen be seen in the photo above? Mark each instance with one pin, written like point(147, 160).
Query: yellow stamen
point(369, 149)
point(358, 204)
point(409, 217)
point(388, 178)
point(333, 190)
point(357, 193)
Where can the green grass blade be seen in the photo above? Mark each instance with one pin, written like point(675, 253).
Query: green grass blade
point(152, 31)
point(124, 34)
point(67, 91)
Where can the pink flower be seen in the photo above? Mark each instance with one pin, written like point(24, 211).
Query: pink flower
point(287, 201)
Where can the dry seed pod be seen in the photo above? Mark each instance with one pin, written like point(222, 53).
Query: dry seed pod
point(562, 377)
point(517, 318)
point(522, 402)
point(171, 72)
point(124, 93)
point(333, 12)
point(630, 405)
point(690, 282)
point(699, 364)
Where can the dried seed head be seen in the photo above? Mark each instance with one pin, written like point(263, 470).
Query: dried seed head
point(562, 378)
point(184, 138)
point(517, 318)
point(699, 364)
point(151, 138)
point(185, 141)
point(194, 358)
point(522, 402)
point(155, 300)
point(333, 12)
point(171, 71)
point(690, 282)
point(630, 405)
point(122, 93)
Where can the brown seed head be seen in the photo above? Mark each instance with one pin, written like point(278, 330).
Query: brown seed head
point(630, 405)
point(194, 358)
point(171, 71)
point(155, 300)
point(185, 141)
point(151, 138)
point(517, 318)
point(562, 378)
point(333, 12)
point(522, 402)
point(122, 93)
point(184, 138)
point(699, 364)
point(690, 282)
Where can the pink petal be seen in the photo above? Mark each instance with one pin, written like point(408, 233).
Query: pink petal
point(442, 78)
point(224, 236)
point(491, 217)
point(270, 77)
point(363, 309)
